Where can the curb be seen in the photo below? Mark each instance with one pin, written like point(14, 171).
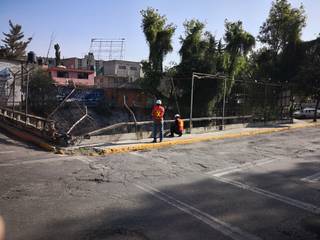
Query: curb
point(91, 151)
point(29, 138)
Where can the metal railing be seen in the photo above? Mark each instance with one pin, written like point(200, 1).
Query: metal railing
point(137, 125)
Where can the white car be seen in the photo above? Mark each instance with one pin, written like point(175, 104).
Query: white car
point(306, 113)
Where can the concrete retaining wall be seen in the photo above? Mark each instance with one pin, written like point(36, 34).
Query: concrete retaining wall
point(148, 134)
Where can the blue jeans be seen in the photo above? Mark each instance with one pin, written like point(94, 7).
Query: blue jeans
point(157, 127)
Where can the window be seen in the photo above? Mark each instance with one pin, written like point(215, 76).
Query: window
point(134, 68)
point(79, 63)
point(123, 67)
point(62, 74)
point(83, 75)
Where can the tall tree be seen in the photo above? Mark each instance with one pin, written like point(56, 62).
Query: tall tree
point(238, 44)
point(14, 46)
point(42, 93)
point(307, 80)
point(199, 53)
point(159, 38)
point(57, 54)
point(283, 26)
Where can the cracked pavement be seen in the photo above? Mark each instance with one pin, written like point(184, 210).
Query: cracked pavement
point(168, 193)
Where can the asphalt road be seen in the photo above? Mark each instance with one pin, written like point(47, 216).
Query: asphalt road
point(262, 187)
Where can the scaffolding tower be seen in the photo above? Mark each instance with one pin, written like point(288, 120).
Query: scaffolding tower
point(108, 49)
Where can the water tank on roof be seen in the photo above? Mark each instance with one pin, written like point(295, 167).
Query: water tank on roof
point(31, 57)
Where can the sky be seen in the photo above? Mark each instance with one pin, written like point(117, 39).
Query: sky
point(74, 23)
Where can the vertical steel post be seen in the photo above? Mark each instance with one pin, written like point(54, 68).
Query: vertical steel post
point(27, 94)
point(13, 93)
point(191, 103)
point(224, 101)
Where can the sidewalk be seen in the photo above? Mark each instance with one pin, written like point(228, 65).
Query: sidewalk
point(145, 144)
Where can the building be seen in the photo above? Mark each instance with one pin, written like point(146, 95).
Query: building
point(65, 76)
point(117, 72)
point(10, 82)
point(127, 69)
point(135, 97)
point(86, 63)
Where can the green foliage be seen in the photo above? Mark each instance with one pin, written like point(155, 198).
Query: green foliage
point(200, 52)
point(283, 26)
point(307, 80)
point(14, 45)
point(42, 93)
point(158, 36)
point(238, 44)
point(280, 34)
point(57, 54)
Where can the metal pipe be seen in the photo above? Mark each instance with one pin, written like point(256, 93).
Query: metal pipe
point(191, 102)
point(27, 96)
point(127, 107)
point(224, 101)
point(80, 120)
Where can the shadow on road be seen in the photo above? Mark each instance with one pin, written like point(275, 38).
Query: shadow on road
point(155, 219)
point(5, 139)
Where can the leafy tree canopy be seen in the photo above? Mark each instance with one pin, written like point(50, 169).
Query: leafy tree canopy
point(283, 26)
point(159, 38)
point(14, 46)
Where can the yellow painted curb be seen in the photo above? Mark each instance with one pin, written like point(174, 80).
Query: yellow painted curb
point(28, 137)
point(147, 146)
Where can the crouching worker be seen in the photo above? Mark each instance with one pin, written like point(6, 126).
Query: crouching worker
point(177, 126)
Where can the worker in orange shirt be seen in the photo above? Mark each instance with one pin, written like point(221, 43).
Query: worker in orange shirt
point(177, 127)
point(157, 116)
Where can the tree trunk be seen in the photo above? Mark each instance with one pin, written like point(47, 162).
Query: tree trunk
point(316, 109)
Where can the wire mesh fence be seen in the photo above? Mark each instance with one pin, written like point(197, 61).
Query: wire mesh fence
point(226, 99)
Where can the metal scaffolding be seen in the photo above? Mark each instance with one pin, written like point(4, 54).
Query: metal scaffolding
point(108, 49)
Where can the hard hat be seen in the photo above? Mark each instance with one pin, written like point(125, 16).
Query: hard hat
point(177, 116)
point(158, 102)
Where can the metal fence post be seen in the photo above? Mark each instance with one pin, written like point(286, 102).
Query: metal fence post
point(191, 103)
point(224, 101)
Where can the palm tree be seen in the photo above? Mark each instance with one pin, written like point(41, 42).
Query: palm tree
point(158, 36)
point(238, 43)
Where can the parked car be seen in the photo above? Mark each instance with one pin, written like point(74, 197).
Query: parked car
point(306, 113)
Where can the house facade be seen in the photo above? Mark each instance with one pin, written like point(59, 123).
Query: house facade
point(66, 76)
point(10, 82)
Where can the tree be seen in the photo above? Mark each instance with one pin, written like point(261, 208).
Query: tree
point(14, 46)
point(42, 93)
point(307, 80)
point(280, 34)
point(57, 53)
point(199, 53)
point(159, 38)
point(283, 26)
point(238, 44)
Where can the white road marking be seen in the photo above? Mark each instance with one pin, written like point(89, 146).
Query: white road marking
point(45, 160)
point(313, 178)
point(241, 167)
point(4, 152)
point(290, 201)
point(223, 227)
